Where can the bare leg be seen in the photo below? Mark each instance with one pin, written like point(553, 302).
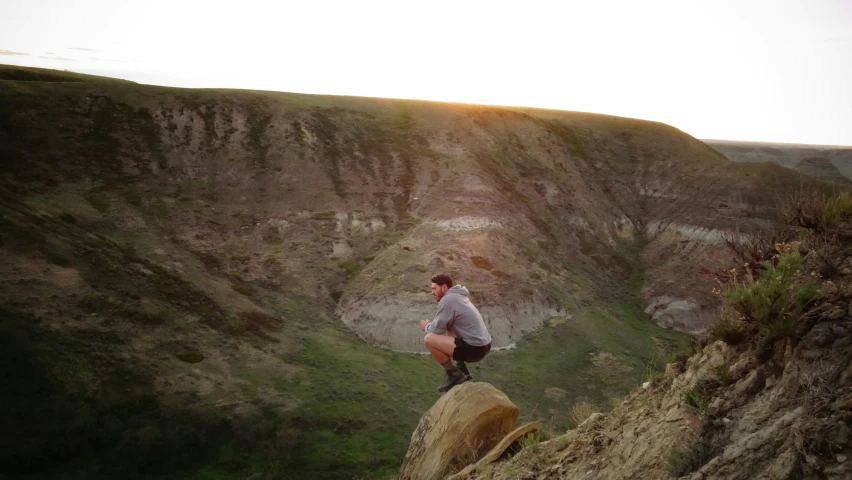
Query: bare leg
point(441, 346)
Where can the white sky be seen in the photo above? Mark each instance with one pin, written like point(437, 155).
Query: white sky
point(777, 70)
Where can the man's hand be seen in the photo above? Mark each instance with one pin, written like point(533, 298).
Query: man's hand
point(423, 324)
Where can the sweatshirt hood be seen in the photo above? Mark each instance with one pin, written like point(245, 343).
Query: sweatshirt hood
point(460, 290)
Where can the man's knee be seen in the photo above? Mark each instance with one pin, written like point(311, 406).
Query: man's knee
point(429, 339)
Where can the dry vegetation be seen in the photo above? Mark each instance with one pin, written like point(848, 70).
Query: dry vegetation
point(778, 279)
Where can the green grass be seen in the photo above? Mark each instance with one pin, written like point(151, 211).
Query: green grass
point(775, 299)
point(837, 208)
point(562, 356)
point(359, 404)
point(697, 397)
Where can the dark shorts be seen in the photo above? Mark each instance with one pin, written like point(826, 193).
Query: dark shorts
point(468, 353)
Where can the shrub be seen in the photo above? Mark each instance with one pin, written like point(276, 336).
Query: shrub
point(722, 375)
point(754, 249)
point(698, 396)
point(774, 301)
point(803, 209)
point(581, 411)
point(837, 208)
point(532, 441)
point(815, 210)
point(687, 460)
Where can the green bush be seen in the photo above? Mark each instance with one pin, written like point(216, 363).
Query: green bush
point(774, 301)
point(532, 441)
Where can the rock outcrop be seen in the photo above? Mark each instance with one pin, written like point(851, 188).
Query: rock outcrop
point(460, 428)
point(724, 413)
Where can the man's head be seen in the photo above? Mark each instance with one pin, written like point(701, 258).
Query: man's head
point(440, 285)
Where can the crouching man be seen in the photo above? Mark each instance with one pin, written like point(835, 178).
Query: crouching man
point(457, 332)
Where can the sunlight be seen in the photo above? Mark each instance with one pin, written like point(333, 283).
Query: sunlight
point(760, 71)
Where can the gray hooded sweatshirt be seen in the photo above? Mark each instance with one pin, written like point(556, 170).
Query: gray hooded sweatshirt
point(459, 315)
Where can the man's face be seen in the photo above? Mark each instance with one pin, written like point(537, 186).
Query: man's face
point(438, 291)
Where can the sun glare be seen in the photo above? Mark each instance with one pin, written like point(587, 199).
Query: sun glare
point(774, 71)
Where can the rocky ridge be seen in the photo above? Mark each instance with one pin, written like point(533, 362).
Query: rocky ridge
point(829, 163)
point(724, 412)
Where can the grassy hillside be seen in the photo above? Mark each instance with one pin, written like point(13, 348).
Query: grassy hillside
point(177, 264)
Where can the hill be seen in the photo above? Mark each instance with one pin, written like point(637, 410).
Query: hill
point(196, 281)
point(829, 163)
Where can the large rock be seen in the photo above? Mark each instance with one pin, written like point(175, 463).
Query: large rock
point(679, 314)
point(459, 429)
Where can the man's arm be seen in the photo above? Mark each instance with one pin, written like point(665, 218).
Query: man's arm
point(442, 319)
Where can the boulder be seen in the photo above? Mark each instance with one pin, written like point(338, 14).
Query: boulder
point(463, 425)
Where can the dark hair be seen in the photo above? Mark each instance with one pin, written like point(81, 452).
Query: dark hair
point(443, 280)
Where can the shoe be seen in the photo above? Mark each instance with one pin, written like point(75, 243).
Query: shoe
point(461, 366)
point(453, 379)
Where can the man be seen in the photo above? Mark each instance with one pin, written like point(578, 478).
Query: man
point(457, 332)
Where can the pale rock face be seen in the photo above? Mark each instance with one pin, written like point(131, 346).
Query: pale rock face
point(459, 224)
point(709, 235)
point(679, 314)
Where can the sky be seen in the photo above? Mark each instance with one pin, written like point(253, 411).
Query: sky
point(775, 71)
